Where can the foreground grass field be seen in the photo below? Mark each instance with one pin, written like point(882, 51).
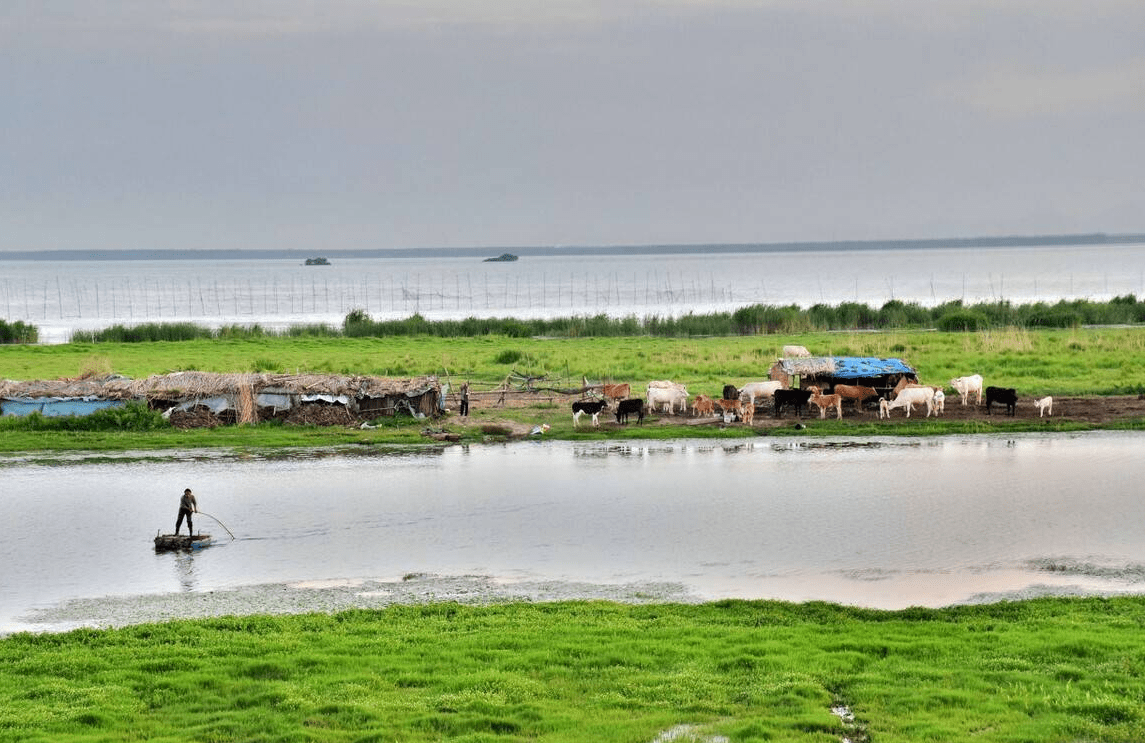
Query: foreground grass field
point(1043, 670)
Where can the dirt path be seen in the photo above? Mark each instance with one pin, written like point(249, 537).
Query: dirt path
point(549, 405)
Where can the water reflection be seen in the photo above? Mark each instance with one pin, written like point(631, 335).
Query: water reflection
point(886, 522)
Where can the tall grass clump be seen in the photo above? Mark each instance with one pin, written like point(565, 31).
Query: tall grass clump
point(18, 332)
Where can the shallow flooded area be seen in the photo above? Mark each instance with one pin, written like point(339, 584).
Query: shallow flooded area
point(884, 523)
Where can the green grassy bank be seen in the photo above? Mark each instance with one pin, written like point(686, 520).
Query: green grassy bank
point(1042, 670)
point(1069, 362)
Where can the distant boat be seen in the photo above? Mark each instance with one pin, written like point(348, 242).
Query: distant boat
point(503, 258)
point(317, 262)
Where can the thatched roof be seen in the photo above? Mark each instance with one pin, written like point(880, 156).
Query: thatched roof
point(192, 384)
point(809, 366)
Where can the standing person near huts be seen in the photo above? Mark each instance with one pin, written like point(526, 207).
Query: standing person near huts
point(187, 506)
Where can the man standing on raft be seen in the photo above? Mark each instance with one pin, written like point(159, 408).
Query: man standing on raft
point(187, 506)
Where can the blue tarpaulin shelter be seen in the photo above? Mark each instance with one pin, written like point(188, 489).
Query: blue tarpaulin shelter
point(865, 367)
point(827, 370)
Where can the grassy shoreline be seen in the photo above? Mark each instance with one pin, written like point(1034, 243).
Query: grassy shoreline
point(1074, 362)
point(1044, 670)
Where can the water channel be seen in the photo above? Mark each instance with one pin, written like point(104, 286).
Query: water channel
point(885, 523)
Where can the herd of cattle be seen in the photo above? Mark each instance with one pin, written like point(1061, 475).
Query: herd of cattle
point(741, 403)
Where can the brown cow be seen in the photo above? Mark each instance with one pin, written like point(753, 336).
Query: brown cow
point(856, 392)
point(734, 407)
point(703, 405)
point(617, 391)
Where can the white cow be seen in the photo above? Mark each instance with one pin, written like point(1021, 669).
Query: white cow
point(761, 390)
point(939, 402)
point(967, 386)
point(667, 394)
point(796, 352)
point(1045, 406)
point(907, 399)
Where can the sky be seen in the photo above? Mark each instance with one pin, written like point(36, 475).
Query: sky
point(381, 124)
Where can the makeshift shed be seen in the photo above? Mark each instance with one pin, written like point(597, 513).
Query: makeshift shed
point(195, 398)
point(63, 397)
point(827, 371)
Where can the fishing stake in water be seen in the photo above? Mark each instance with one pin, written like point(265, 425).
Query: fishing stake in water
point(220, 523)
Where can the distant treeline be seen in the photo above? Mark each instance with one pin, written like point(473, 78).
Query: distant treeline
point(753, 320)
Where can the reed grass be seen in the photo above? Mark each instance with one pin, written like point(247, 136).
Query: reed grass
point(1039, 670)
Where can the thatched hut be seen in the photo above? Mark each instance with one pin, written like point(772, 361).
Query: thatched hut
point(827, 371)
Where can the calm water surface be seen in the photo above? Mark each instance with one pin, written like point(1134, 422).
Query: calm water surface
point(885, 523)
point(59, 298)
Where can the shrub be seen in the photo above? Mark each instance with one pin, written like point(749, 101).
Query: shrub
point(18, 332)
point(962, 321)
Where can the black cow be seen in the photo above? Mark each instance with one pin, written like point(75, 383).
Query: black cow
point(730, 392)
point(1007, 396)
point(632, 405)
point(794, 398)
point(592, 407)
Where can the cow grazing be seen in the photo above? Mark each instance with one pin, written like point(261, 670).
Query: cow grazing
point(617, 391)
point(759, 390)
point(624, 408)
point(703, 405)
point(1045, 406)
point(667, 394)
point(592, 407)
point(1007, 396)
point(967, 386)
point(796, 352)
point(790, 398)
point(823, 402)
point(908, 398)
point(856, 392)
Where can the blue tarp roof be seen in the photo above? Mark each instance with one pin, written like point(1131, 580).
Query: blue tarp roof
point(856, 367)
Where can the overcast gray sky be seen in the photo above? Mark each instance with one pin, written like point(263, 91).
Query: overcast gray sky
point(309, 124)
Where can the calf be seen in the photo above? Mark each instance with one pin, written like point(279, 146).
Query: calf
point(790, 398)
point(703, 405)
point(730, 392)
point(939, 402)
point(823, 402)
point(626, 407)
point(1045, 406)
point(592, 407)
point(1007, 396)
point(732, 408)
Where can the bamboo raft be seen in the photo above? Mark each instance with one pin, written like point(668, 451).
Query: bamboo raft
point(169, 542)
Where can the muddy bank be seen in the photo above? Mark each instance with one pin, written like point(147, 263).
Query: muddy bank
point(337, 595)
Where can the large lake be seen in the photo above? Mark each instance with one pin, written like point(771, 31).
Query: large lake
point(884, 523)
point(60, 297)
